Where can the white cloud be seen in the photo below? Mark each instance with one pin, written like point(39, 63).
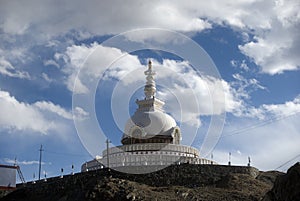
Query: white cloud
point(211, 96)
point(80, 113)
point(50, 107)
point(269, 111)
point(176, 15)
point(46, 77)
point(274, 24)
point(285, 109)
point(13, 60)
point(244, 87)
point(6, 68)
point(74, 57)
point(276, 48)
point(41, 117)
point(197, 95)
point(269, 145)
point(242, 65)
point(21, 116)
point(51, 62)
point(91, 61)
point(11, 161)
point(55, 19)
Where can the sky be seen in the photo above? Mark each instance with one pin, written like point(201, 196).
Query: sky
point(70, 72)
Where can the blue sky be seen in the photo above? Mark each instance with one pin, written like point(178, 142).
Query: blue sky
point(44, 45)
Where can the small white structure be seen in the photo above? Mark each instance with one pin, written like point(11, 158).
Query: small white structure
point(7, 177)
point(151, 139)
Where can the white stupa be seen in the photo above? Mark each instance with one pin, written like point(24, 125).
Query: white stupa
point(151, 139)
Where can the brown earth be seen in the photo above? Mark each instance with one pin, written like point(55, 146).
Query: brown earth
point(184, 182)
point(286, 187)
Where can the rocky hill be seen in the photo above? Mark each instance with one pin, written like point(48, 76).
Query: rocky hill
point(286, 187)
point(178, 182)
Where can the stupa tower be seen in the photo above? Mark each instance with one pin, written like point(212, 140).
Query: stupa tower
point(150, 123)
point(151, 139)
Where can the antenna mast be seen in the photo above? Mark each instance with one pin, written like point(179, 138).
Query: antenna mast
point(107, 151)
point(40, 162)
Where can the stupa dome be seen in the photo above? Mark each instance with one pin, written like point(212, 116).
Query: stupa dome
point(151, 123)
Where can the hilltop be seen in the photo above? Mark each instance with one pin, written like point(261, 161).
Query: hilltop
point(177, 182)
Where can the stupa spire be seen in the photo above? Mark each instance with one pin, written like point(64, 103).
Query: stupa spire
point(150, 87)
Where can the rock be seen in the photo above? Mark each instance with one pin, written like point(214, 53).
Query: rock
point(130, 196)
point(4, 192)
point(184, 195)
point(181, 182)
point(286, 187)
point(269, 176)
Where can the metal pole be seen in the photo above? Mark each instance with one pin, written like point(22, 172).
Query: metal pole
point(33, 178)
point(72, 169)
point(62, 173)
point(107, 152)
point(249, 161)
point(40, 162)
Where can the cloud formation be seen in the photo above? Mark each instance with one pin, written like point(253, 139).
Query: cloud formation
point(55, 19)
point(212, 96)
point(271, 111)
point(11, 161)
point(271, 27)
point(269, 144)
point(85, 62)
point(275, 48)
point(39, 117)
point(7, 69)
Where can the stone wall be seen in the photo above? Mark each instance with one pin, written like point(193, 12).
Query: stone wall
point(188, 175)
